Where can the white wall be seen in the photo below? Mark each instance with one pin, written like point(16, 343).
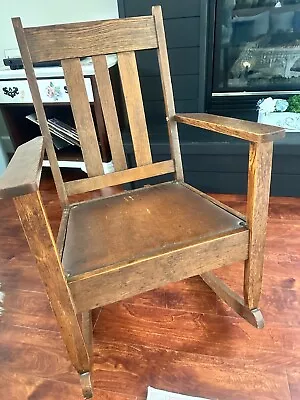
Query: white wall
point(46, 12)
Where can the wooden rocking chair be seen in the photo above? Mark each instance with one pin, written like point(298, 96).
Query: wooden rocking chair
point(109, 249)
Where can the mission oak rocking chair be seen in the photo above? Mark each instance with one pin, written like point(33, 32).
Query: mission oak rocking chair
point(111, 248)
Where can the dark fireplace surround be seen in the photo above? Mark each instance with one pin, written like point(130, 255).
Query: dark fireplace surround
point(215, 74)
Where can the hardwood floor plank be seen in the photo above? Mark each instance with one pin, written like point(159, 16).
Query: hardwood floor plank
point(179, 337)
point(134, 367)
point(180, 296)
point(20, 275)
point(154, 298)
point(40, 361)
point(294, 382)
point(186, 331)
point(32, 321)
point(21, 386)
point(191, 300)
point(194, 283)
point(29, 309)
point(282, 208)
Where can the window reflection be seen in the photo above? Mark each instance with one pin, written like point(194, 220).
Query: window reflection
point(257, 45)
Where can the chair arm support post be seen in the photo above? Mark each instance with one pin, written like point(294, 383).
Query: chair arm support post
point(22, 176)
point(42, 245)
point(261, 139)
point(259, 179)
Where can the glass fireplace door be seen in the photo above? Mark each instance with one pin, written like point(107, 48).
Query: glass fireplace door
point(257, 46)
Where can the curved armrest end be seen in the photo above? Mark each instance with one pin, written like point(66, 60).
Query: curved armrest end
point(247, 130)
point(23, 174)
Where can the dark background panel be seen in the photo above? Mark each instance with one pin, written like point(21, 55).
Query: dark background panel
point(185, 87)
point(217, 182)
point(171, 8)
point(182, 32)
point(183, 61)
point(155, 110)
point(182, 27)
point(212, 162)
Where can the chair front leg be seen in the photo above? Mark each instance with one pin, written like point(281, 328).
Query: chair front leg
point(259, 179)
point(42, 244)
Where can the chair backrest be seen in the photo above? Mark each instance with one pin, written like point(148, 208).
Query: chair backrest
point(70, 42)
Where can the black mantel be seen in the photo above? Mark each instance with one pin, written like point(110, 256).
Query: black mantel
point(212, 162)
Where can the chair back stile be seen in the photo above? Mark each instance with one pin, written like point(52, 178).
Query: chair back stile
point(70, 42)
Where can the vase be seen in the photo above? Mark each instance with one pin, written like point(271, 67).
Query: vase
point(290, 121)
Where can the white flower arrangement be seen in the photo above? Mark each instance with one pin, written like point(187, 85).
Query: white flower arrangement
point(280, 112)
point(270, 105)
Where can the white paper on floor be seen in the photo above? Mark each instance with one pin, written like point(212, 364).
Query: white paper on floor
point(155, 394)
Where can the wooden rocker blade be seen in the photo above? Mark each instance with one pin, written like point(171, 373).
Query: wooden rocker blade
point(233, 300)
point(86, 385)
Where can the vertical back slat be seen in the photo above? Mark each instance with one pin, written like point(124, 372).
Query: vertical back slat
point(83, 116)
point(135, 109)
point(109, 112)
point(39, 109)
point(164, 67)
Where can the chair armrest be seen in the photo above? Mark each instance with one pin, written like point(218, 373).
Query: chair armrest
point(252, 131)
point(22, 176)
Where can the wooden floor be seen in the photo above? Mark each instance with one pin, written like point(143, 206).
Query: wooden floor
point(180, 337)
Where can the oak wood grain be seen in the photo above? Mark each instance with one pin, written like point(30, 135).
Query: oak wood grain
point(217, 202)
point(247, 130)
point(40, 239)
point(109, 112)
point(100, 123)
point(91, 38)
point(39, 109)
point(141, 226)
point(120, 177)
point(141, 276)
point(22, 176)
point(259, 180)
point(83, 116)
point(167, 90)
point(135, 109)
point(87, 331)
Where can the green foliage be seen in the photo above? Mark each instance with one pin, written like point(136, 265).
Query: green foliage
point(294, 103)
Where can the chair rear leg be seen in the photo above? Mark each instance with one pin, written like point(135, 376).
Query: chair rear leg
point(87, 331)
point(42, 244)
point(86, 379)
